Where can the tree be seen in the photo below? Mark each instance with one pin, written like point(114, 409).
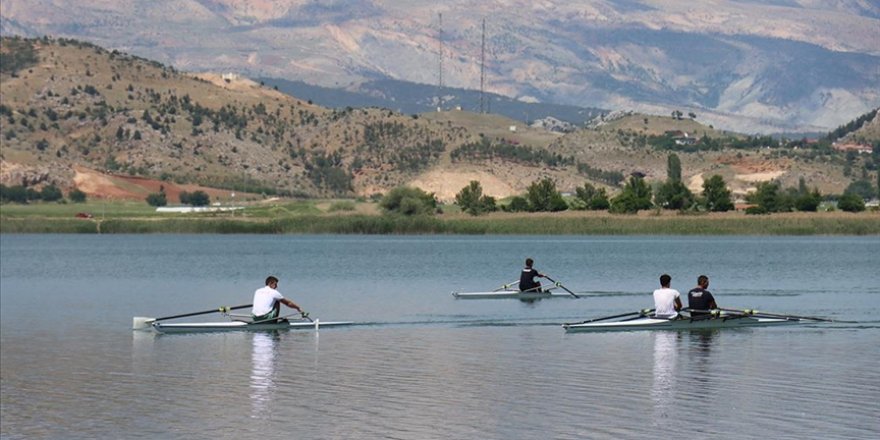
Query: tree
point(808, 202)
point(199, 198)
point(716, 194)
point(636, 195)
point(409, 201)
point(543, 196)
point(472, 200)
point(51, 193)
point(766, 197)
point(15, 194)
point(851, 203)
point(594, 199)
point(76, 196)
point(157, 199)
point(674, 195)
point(861, 188)
point(673, 168)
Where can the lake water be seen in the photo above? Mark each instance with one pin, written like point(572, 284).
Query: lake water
point(426, 366)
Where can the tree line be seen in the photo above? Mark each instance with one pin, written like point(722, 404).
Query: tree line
point(637, 194)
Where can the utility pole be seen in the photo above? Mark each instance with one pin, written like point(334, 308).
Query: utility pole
point(440, 75)
point(482, 67)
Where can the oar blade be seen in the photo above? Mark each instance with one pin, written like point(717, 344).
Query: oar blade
point(142, 323)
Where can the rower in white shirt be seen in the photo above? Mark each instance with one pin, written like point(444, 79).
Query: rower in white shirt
point(667, 301)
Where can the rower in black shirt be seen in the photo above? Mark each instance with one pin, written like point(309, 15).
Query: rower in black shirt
point(701, 299)
point(527, 278)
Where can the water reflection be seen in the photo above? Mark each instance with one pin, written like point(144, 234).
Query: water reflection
point(664, 385)
point(263, 373)
point(702, 349)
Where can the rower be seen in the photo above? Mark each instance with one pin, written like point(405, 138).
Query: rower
point(268, 300)
point(667, 301)
point(700, 300)
point(527, 281)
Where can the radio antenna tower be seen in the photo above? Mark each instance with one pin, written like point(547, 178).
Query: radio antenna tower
point(482, 67)
point(440, 74)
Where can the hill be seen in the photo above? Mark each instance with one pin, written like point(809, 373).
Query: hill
point(71, 108)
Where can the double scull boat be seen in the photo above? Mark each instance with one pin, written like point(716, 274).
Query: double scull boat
point(714, 319)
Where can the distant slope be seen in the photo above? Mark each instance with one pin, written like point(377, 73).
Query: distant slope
point(411, 98)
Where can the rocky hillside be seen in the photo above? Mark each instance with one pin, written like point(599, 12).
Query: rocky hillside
point(72, 111)
point(67, 103)
point(754, 66)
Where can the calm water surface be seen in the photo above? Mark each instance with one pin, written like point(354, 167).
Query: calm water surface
point(423, 365)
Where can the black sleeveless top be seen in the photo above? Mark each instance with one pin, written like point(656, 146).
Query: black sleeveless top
point(527, 279)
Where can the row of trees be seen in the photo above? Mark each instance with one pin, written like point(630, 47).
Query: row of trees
point(636, 195)
point(49, 193)
point(195, 198)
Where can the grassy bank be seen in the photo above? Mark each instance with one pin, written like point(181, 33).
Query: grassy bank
point(306, 221)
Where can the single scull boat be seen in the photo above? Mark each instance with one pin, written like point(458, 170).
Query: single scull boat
point(192, 327)
point(237, 322)
point(510, 291)
point(509, 294)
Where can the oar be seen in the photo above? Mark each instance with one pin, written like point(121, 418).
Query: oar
point(640, 313)
point(506, 286)
point(141, 322)
point(560, 285)
point(776, 315)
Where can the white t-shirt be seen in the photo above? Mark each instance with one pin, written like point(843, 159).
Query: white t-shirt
point(664, 302)
point(264, 300)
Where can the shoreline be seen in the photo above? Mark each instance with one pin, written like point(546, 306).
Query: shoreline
point(569, 223)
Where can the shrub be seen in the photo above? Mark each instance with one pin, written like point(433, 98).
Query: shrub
point(15, 194)
point(851, 203)
point(199, 198)
point(517, 204)
point(76, 196)
point(51, 193)
point(408, 201)
point(592, 198)
point(157, 199)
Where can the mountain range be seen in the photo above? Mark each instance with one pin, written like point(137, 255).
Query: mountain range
point(754, 66)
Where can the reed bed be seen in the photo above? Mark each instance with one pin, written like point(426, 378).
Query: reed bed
point(547, 224)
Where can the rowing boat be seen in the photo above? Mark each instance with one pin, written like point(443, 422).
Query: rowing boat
point(509, 294)
point(510, 291)
point(236, 323)
point(193, 327)
point(715, 319)
point(649, 323)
